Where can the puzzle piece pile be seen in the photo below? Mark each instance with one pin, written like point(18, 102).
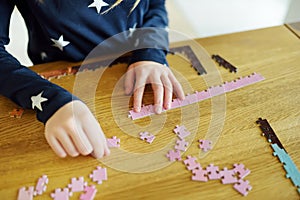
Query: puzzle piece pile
point(289, 166)
point(200, 96)
point(227, 176)
point(233, 176)
point(77, 185)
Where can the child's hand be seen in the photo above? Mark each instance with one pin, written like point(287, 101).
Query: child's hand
point(159, 76)
point(73, 130)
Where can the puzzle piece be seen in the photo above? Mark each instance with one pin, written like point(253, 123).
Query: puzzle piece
point(242, 187)
point(213, 172)
point(174, 155)
point(77, 185)
point(241, 171)
point(181, 145)
point(16, 113)
point(90, 193)
point(147, 136)
point(205, 145)
point(280, 153)
point(199, 174)
point(26, 194)
point(61, 194)
point(41, 185)
point(113, 142)
point(191, 163)
point(99, 175)
point(227, 176)
point(181, 131)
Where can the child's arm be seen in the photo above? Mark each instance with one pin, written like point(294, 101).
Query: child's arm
point(57, 109)
point(149, 63)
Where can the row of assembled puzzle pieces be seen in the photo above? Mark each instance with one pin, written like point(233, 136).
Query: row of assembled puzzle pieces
point(227, 176)
point(289, 166)
point(200, 96)
point(76, 185)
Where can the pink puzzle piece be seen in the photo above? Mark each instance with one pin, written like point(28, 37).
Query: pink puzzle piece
point(199, 175)
point(173, 155)
point(90, 193)
point(242, 187)
point(191, 163)
point(26, 194)
point(213, 172)
point(228, 176)
point(205, 145)
point(181, 145)
point(241, 170)
point(148, 137)
point(113, 142)
point(181, 132)
point(61, 194)
point(41, 185)
point(99, 175)
point(203, 95)
point(77, 185)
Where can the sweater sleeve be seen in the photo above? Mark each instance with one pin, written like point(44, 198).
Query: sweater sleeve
point(22, 85)
point(152, 38)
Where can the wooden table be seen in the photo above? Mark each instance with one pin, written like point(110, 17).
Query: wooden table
point(273, 52)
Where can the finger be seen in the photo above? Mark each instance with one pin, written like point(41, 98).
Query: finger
point(67, 144)
point(96, 138)
point(81, 141)
point(138, 93)
point(129, 81)
point(56, 146)
point(158, 91)
point(176, 86)
point(168, 91)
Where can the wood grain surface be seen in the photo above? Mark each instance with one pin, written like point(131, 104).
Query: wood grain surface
point(139, 170)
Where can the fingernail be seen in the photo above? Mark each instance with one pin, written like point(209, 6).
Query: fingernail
point(137, 109)
point(168, 106)
point(158, 109)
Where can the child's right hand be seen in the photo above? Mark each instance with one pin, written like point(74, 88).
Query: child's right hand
point(73, 130)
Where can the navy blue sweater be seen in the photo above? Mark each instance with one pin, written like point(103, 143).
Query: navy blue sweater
point(69, 30)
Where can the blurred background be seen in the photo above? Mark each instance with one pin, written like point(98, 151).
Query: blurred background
point(195, 18)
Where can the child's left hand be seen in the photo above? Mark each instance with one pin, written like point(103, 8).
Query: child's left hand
point(160, 77)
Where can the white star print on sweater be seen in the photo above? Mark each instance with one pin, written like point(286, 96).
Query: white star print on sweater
point(60, 43)
point(98, 4)
point(37, 100)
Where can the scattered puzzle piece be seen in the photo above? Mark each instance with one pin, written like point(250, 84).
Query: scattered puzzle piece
point(181, 131)
point(227, 176)
point(242, 187)
point(113, 142)
point(241, 171)
point(26, 194)
point(174, 155)
point(213, 172)
point(61, 194)
point(90, 193)
point(16, 113)
point(41, 185)
point(147, 136)
point(199, 175)
point(191, 163)
point(77, 185)
point(99, 175)
point(181, 145)
point(205, 145)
